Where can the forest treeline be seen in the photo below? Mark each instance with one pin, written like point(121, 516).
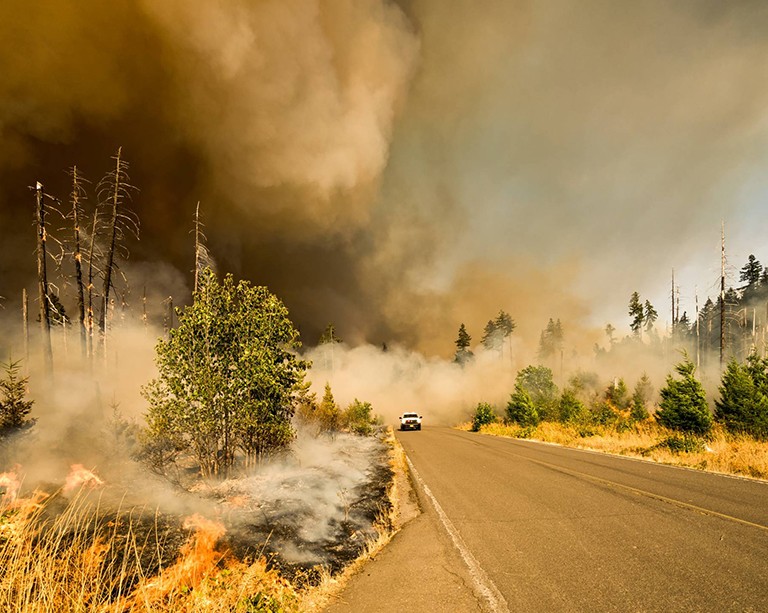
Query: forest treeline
point(741, 406)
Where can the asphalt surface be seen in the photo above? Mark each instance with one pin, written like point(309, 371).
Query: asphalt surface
point(524, 526)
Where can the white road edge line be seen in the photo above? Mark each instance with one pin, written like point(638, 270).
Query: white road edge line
point(483, 584)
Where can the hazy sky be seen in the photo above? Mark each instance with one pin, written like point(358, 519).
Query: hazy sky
point(400, 168)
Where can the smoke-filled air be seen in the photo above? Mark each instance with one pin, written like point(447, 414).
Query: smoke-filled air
point(415, 200)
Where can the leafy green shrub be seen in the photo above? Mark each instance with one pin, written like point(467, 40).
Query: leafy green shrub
point(539, 384)
point(484, 415)
point(683, 404)
point(520, 408)
point(358, 419)
point(526, 432)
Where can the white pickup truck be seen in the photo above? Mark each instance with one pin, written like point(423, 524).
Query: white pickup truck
point(410, 421)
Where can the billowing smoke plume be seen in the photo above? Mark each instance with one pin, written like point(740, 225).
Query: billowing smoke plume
point(398, 168)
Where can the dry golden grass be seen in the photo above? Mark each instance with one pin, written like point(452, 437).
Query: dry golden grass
point(69, 555)
point(79, 559)
point(722, 452)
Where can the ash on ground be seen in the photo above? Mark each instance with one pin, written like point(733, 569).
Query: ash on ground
point(318, 507)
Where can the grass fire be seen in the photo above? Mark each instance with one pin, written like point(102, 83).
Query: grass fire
point(237, 240)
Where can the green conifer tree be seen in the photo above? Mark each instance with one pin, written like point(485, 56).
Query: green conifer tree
point(683, 403)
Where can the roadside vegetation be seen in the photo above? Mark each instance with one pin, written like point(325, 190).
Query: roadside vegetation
point(681, 429)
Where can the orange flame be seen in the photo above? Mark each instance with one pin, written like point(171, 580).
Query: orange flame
point(11, 482)
point(79, 476)
point(198, 559)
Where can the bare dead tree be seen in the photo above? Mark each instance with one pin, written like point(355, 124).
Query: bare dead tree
point(114, 193)
point(167, 315)
point(76, 197)
point(90, 287)
point(203, 258)
point(42, 277)
point(144, 307)
point(722, 295)
point(25, 323)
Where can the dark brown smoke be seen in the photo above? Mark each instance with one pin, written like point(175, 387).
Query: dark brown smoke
point(397, 168)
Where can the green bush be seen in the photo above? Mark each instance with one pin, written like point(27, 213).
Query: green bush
point(571, 409)
point(681, 444)
point(602, 413)
point(526, 432)
point(640, 399)
point(617, 394)
point(358, 419)
point(683, 405)
point(743, 403)
point(539, 384)
point(520, 408)
point(484, 415)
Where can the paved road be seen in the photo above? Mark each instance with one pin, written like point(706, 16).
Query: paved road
point(546, 528)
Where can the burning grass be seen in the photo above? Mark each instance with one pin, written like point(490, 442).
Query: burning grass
point(721, 452)
point(78, 549)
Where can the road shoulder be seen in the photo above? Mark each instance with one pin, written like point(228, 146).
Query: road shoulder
point(418, 571)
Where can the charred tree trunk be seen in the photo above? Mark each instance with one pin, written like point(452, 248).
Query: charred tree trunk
point(722, 295)
point(25, 323)
point(78, 258)
point(197, 248)
point(89, 287)
point(114, 206)
point(144, 308)
point(42, 279)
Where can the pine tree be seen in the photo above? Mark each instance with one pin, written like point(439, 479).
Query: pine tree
point(743, 403)
point(14, 409)
point(329, 335)
point(520, 408)
point(551, 340)
point(683, 403)
point(505, 324)
point(463, 353)
point(498, 330)
point(637, 313)
point(609, 332)
point(649, 315)
point(491, 337)
point(640, 399)
point(570, 407)
point(617, 394)
point(328, 413)
point(751, 272)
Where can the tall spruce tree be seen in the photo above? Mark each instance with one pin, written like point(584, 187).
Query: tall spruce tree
point(637, 313)
point(463, 353)
point(649, 315)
